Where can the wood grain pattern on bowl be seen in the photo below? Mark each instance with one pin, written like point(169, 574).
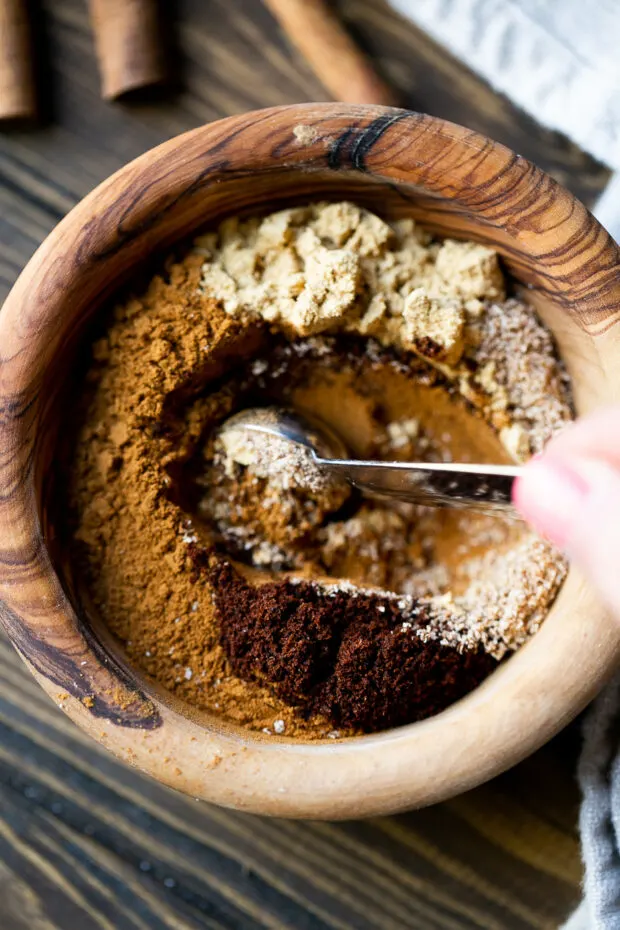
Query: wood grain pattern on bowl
point(399, 164)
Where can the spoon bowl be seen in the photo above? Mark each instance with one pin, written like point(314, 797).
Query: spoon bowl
point(304, 429)
point(484, 488)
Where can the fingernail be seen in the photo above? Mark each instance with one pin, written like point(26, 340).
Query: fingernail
point(548, 495)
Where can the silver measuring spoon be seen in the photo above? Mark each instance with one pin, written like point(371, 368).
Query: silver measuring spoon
point(486, 488)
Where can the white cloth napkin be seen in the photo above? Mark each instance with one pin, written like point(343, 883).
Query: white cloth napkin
point(559, 60)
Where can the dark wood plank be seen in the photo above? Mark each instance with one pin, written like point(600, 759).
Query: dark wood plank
point(86, 842)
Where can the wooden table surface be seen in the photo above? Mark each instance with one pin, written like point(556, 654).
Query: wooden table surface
point(88, 843)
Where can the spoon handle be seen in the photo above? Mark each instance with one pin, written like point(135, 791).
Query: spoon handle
point(487, 488)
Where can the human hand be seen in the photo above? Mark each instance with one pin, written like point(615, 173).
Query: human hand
point(571, 496)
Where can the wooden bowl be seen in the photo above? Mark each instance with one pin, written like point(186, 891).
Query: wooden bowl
point(400, 164)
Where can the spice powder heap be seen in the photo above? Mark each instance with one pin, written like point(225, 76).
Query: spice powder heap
point(233, 574)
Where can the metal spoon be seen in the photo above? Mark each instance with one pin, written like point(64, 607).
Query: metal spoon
point(486, 488)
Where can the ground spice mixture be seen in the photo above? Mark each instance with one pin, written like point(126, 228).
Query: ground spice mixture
point(227, 571)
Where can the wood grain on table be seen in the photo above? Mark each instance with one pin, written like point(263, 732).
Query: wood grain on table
point(86, 842)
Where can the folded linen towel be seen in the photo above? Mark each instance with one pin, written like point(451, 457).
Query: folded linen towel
point(556, 59)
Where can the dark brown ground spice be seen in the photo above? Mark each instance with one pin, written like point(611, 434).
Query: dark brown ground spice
point(346, 658)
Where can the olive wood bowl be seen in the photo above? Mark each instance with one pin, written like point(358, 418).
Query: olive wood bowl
point(399, 164)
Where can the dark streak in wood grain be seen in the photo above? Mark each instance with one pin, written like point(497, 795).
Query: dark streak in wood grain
point(363, 142)
point(337, 147)
point(135, 712)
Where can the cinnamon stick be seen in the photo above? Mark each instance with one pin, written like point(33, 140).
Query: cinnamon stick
point(128, 45)
point(17, 90)
point(340, 65)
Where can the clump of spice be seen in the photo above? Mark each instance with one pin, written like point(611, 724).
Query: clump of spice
point(328, 267)
point(340, 653)
point(225, 571)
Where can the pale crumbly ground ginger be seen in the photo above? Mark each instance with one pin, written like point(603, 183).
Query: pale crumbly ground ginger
point(330, 267)
point(333, 267)
point(409, 348)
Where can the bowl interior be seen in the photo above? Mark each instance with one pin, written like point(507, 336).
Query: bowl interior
point(266, 192)
point(456, 184)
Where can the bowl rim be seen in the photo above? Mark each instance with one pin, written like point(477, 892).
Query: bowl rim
point(522, 704)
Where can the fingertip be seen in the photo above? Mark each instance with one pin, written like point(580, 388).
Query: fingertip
point(548, 496)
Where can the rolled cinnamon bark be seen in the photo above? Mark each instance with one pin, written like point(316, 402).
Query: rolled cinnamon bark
point(17, 90)
point(128, 45)
point(330, 51)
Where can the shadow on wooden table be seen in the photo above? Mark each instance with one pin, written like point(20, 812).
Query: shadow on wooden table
point(86, 842)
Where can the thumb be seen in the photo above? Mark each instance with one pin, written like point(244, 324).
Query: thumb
point(574, 501)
